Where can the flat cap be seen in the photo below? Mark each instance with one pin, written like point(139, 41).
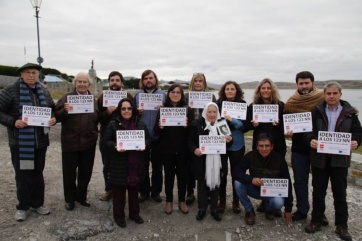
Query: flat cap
point(29, 66)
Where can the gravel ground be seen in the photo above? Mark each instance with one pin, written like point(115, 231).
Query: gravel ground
point(96, 222)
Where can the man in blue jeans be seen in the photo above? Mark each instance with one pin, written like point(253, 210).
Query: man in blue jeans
point(262, 163)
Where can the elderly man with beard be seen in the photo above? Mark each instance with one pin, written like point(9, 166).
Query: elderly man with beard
point(115, 81)
point(305, 99)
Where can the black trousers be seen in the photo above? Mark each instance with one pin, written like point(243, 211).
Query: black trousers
point(153, 185)
point(29, 183)
point(338, 177)
point(203, 192)
point(234, 157)
point(77, 166)
point(175, 164)
point(119, 202)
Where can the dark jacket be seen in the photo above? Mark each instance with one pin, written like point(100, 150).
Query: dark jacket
point(347, 122)
point(173, 139)
point(198, 163)
point(104, 117)
point(79, 131)
point(273, 166)
point(9, 113)
point(277, 132)
point(118, 164)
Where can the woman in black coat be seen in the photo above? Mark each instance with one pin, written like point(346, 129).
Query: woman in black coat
point(208, 182)
point(125, 165)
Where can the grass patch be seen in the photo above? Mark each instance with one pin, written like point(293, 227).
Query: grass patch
point(56, 94)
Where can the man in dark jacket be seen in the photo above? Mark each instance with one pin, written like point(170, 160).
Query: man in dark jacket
point(333, 115)
point(115, 80)
point(262, 163)
point(28, 144)
point(305, 99)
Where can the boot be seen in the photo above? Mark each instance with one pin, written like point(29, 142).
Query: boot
point(222, 204)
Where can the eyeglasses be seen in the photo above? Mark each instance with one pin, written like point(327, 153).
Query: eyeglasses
point(126, 108)
point(175, 92)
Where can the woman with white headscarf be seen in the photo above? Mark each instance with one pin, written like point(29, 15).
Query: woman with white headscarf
point(206, 168)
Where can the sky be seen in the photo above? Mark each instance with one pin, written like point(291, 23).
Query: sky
point(239, 40)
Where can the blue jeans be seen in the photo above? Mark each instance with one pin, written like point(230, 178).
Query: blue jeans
point(301, 169)
point(245, 190)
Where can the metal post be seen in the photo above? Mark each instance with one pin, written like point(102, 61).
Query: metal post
point(39, 59)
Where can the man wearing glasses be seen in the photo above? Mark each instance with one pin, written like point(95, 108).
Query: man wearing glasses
point(28, 144)
point(149, 84)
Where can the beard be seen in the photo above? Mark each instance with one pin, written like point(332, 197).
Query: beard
point(305, 91)
point(115, 87)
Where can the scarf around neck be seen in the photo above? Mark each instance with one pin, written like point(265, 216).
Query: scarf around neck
point(27, 134)
point(298, 103)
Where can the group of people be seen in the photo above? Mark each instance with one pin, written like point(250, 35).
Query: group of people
point(175, 151)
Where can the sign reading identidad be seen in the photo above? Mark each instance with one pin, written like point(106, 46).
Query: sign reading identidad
point(273, 187)
point(298, 122)
point(334, 142)
point(265, 113)
point(149, 101)
point(131, 140)
point(36, 116)
point(198, 99)
point(234, 110)
point(80, 104)
point(212, 144)
point(173, 116)
point(112, 98)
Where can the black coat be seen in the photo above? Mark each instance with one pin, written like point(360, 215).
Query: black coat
point(118, 165)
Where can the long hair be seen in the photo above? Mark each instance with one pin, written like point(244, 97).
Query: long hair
point(198, 75)
point(144, 74)
point(172, 87)
point(275, 97)
point(117, 111)
point(239, 92)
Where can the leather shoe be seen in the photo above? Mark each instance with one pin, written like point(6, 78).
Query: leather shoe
point(250, 217)
point(84, 203)
point(190, 199)
point(313, 227)
point(121, 224)
point(137, 220)
point(236, 207)
point(278, 213)
point(69, 206)
point(168, 208)
point(297, 216)
point(261, 207)
point(157, 198)
point(215, 215)
point(342, 231)
point(325, 220)
point(183, 208)
point(142, 198)
point(269, 215)
point(200, 215)
point(222, 205)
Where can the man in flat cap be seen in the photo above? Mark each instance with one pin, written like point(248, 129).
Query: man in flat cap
point(28, 144)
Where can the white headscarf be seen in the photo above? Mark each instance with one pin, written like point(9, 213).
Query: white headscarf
point(213, 161)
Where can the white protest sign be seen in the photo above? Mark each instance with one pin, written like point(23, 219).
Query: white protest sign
point(149, 101)
point(234, 110)
point(173, 116)
point(265, 113)
point(198, 99)
point(80, 104)
point(334, 143)
point(36, 116)
point(112, 98)
point(298, 122)
point(274, 187)
point(212, 144)
point(131, 140)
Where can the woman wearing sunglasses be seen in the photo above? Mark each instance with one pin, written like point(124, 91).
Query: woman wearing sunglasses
point(125, 166)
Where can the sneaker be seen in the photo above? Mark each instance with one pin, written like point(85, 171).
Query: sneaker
point(20, 215)
point(43, 210)
point(106, 196)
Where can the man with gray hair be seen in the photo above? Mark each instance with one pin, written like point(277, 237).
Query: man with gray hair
point(28, 144)
point(333, 115)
